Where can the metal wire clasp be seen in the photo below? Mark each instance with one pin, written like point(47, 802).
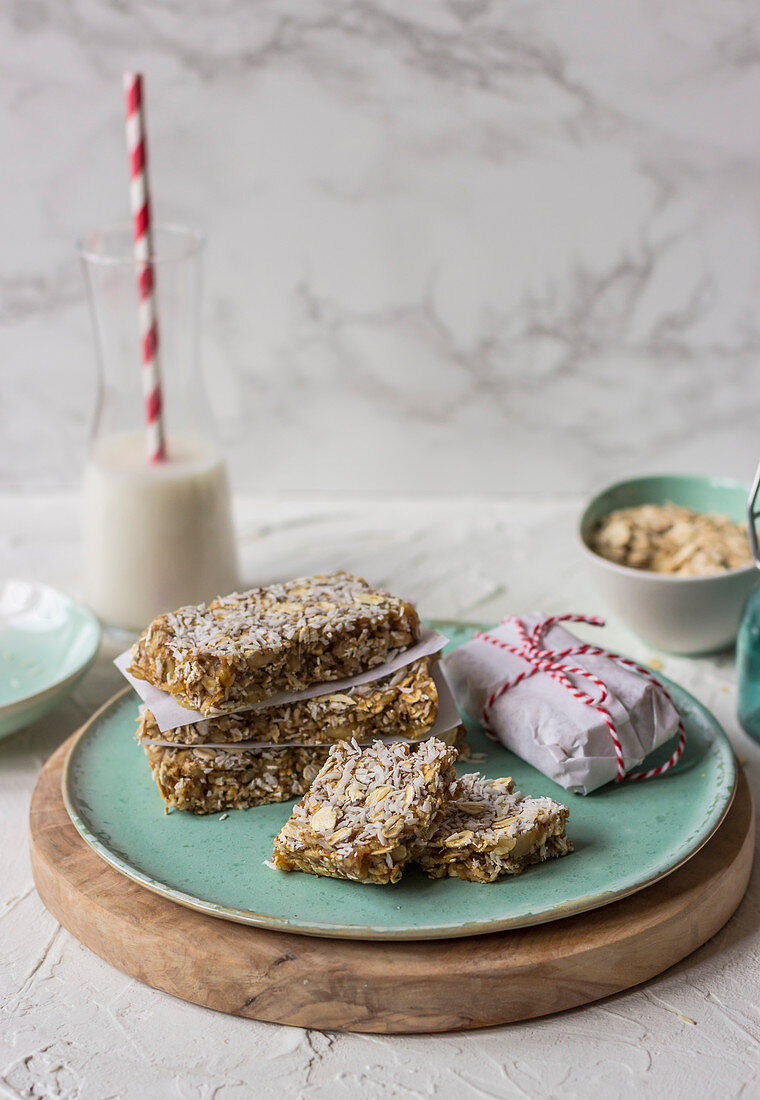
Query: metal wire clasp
point(753, 514)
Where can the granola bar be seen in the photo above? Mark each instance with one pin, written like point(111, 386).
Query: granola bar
point(365, 809)
point(488, 829)
point(242, 648)
point(404, 704)
point(205, 781)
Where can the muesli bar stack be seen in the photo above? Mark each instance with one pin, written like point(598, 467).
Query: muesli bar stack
point(242, 649)
point(366, 810)
point(287, 637)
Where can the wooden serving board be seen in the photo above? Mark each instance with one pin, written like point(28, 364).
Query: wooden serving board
point(386, 987)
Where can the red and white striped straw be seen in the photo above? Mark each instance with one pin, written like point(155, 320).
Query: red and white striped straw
point(146, 283)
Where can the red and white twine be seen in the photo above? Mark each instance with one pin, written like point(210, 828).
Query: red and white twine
point(143, 248)
point(554, 663)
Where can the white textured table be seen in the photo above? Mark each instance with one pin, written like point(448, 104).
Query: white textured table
point(72, 1027)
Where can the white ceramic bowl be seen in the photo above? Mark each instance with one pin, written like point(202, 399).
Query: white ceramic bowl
point(687, 615)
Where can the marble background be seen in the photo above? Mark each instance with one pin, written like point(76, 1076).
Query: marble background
point(453, 245)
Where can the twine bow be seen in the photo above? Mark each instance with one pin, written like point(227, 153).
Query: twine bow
point(554, 663)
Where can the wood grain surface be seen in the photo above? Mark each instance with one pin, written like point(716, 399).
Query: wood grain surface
point(384, 987)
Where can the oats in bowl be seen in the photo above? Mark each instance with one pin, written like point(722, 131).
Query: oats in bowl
point(669, 538)
point(680, 579)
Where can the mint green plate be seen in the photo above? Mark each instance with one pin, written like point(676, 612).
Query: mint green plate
point(47, 642)
point(626, 836)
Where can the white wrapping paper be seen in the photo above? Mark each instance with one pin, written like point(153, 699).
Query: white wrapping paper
point(543, 723)
point(169, 714)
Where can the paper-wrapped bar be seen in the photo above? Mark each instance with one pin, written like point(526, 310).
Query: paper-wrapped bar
point(552, 727)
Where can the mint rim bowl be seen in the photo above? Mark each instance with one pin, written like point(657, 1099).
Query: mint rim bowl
point(49, 641)
point(690, 615)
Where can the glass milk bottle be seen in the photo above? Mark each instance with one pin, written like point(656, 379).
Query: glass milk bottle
point(157, 535)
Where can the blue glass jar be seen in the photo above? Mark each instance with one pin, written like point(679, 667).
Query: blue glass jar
point(748, 666)
point(748, 638)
